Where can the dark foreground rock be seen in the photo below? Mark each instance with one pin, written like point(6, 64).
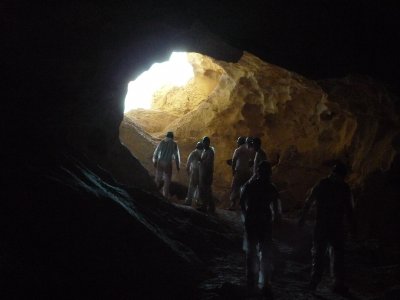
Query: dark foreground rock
point(68, 230)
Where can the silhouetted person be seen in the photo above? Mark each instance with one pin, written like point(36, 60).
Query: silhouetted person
point(193, 170)
point(260, 154)
point(333, 200)
point(206, 177)
point(167, 151)
point(256, 198)
point(240, 170)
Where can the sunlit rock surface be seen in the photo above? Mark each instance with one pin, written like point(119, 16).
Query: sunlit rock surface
point(304, 124)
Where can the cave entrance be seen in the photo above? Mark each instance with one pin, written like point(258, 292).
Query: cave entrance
point(175, 72)
point(170, 96)
point(201, 96)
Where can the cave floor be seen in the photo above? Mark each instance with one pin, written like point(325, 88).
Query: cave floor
point(368, 277)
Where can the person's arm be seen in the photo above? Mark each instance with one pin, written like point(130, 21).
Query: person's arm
point(177, 157)
point(189, 162)
point(242, 200)
point(277, 207)
point(156, 154)
point(308, 203)
point(255, 162)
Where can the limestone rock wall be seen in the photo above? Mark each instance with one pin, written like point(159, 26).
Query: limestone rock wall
point(304, 125)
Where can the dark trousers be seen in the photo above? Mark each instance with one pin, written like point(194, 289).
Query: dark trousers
point(205, 191)
point(322, 240)
point(258, 247)
point(239, 179)
point(206, 198)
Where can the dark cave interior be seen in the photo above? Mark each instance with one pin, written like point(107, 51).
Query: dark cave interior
point(81, 217)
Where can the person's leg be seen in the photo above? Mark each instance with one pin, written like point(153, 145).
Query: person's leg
point(318, 252)
point(202, 205)
point(196, 196)
point(266, 250)
point(235, 191)
point(211, 203)
point(337, 244)
point(194, 183)
point(205, 193)
point(159, 175)
point(191, 190)
point(167, 168)
point(252, 263)
point(238, 181)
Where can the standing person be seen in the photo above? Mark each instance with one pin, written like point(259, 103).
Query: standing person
point(260, 154)
point(206, 177)
point(255, 201)
point(192, 168)
point(334, 201)
point(167, 151)
point(240, 170)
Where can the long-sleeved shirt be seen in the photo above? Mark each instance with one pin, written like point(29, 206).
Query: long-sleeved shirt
point(193, 161)
point(334, 201)
point(255, 201)
point(241, 158)
point(166, 151)
point(207, 166)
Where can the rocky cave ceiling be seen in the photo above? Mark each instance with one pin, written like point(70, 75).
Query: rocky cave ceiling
point(88, 51)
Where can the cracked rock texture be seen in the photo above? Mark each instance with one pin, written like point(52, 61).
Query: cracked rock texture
point(304, 125)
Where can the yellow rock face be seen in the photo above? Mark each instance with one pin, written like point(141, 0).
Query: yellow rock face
point(303, 124)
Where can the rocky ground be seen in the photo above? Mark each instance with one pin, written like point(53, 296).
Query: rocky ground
point(368, 275)
point(73, 232)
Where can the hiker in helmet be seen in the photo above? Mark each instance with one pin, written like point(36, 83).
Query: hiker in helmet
point(192, 168)
point(240, 169)
point(206, 177)
point(260, 205)
point(167, 151)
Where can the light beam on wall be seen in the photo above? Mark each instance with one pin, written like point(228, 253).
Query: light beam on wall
point(177, 71)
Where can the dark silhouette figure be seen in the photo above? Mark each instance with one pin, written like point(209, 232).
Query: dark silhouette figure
point(333, 200)
point(257, 196)
point(206, 177)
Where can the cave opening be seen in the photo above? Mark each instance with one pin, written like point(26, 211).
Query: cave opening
point(174, 95)
point(251, 97)
point(224, 100)
point(175, 72)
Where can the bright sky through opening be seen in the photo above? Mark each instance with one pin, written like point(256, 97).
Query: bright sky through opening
point(177, 71)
